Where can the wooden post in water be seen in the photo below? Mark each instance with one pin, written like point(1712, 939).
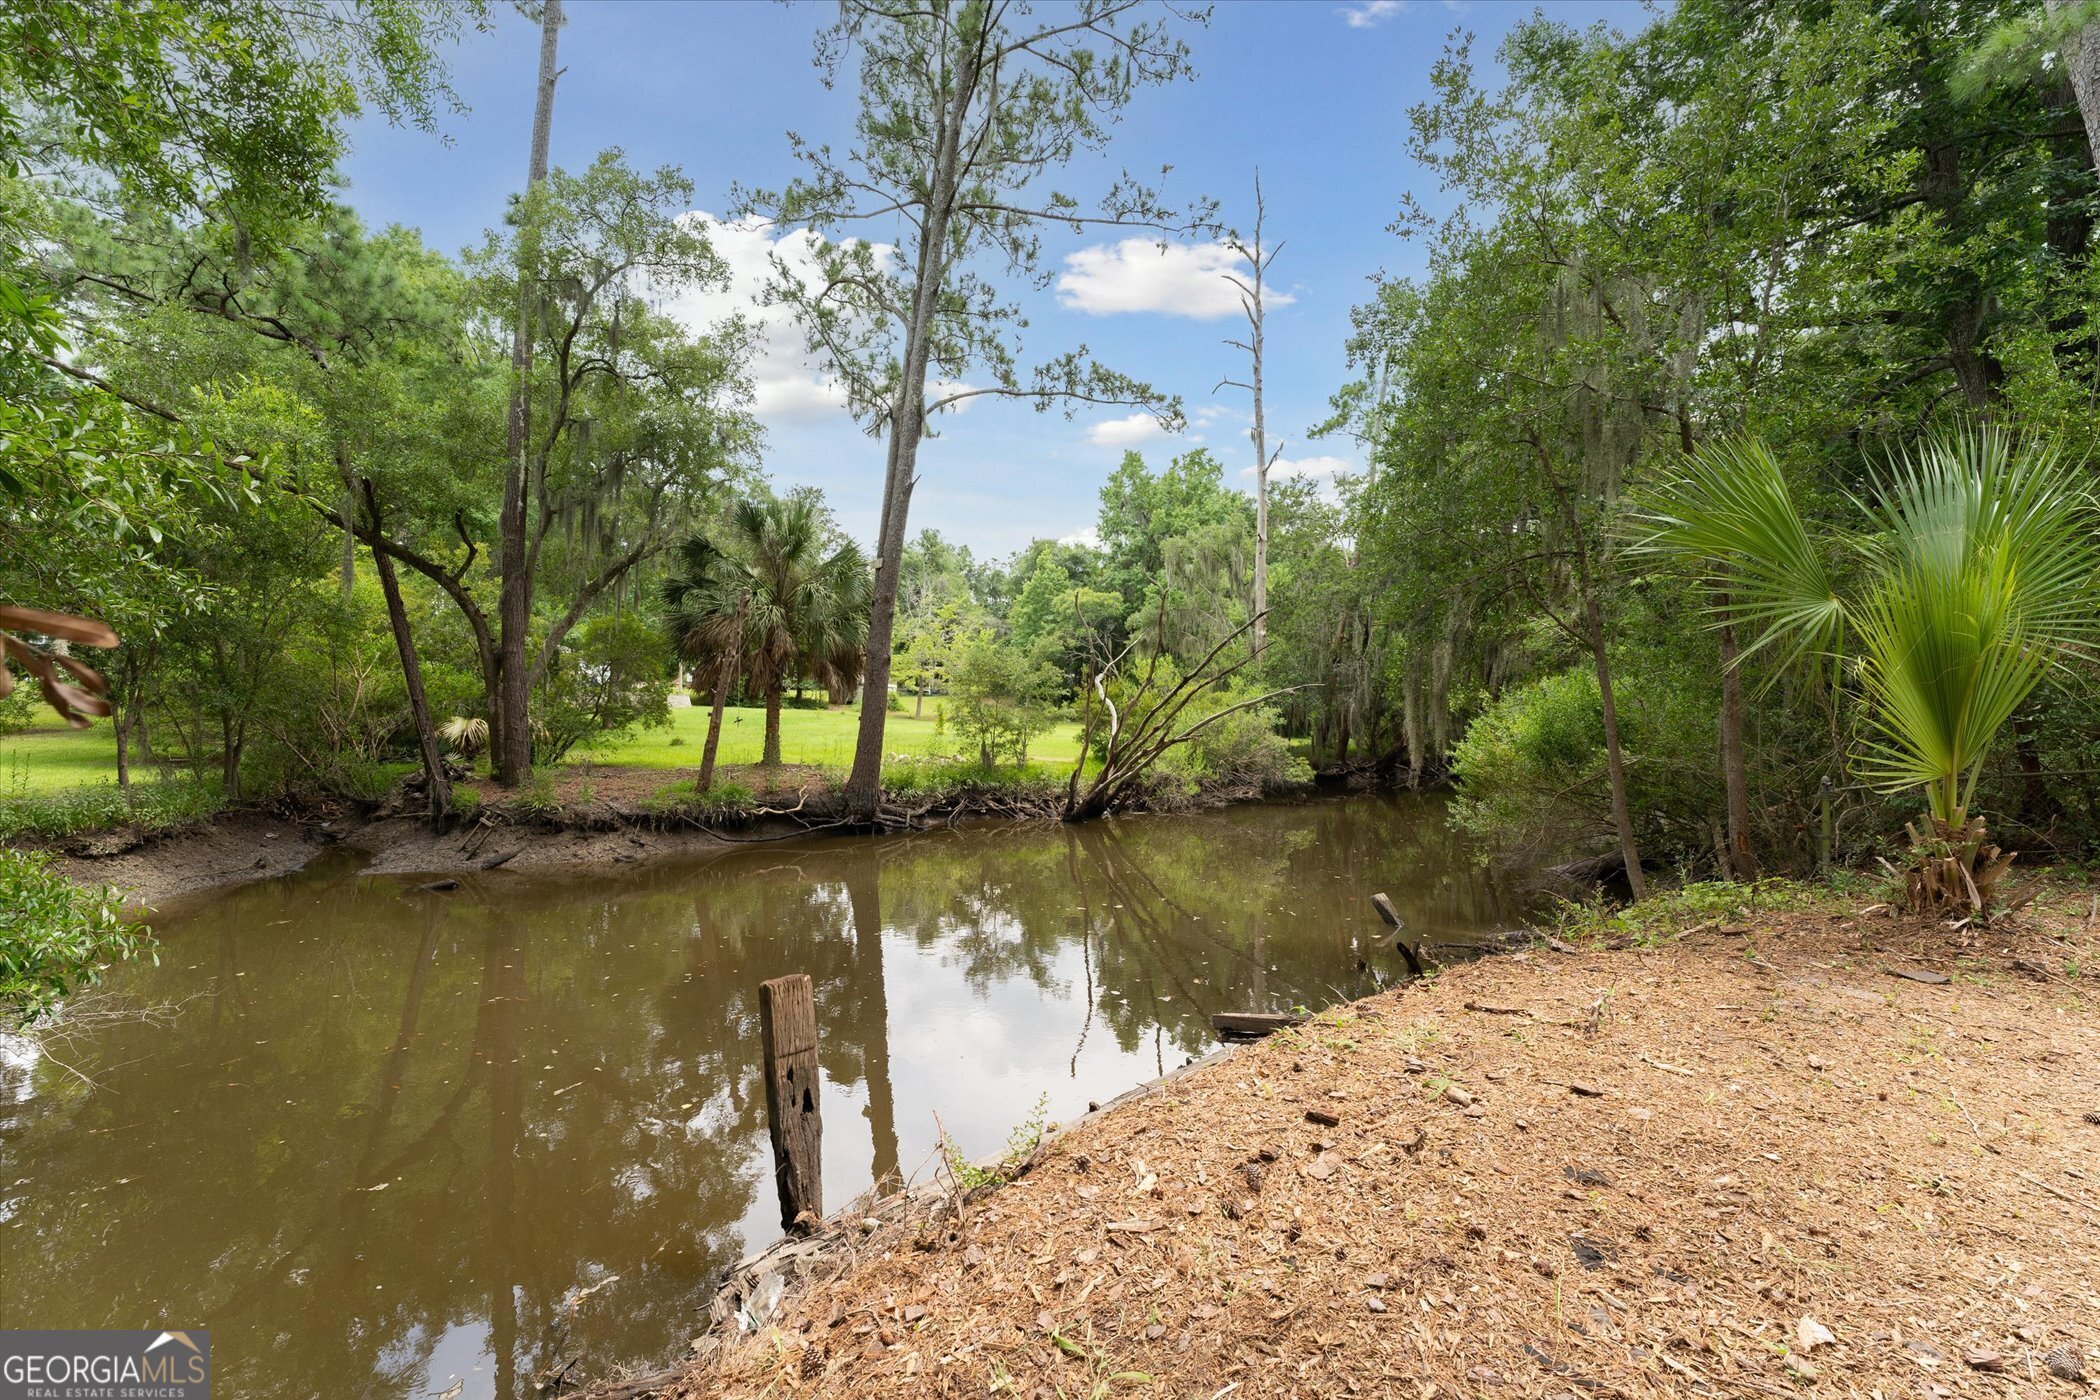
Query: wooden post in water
point(787, 1015)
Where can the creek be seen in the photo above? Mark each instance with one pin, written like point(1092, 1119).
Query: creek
point(381, 1141)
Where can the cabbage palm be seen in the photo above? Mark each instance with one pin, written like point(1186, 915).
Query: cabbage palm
point(764, 600)
point(1975, 573)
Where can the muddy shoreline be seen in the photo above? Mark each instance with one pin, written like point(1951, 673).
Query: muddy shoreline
point(152, 869)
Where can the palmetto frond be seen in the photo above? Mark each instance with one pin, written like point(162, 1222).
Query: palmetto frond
point(1979, 571)
point(1731, 517)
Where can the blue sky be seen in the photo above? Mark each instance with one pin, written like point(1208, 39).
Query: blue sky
point(1312, 92)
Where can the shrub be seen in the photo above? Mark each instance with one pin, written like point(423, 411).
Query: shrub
point(1242, 749)
point(609, 677)
point(1531, 769)
point(164, 806)
point(56, 936)
point(999, 700)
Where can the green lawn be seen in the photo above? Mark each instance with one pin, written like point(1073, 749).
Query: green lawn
point(821, 737)
point(56, 759)
point(52, 760)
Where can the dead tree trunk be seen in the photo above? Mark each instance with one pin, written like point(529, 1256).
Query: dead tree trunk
point(1250, 289)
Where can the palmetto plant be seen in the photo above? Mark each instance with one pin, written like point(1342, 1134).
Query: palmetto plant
point(1971, 573)
point(467, 735)
point(764, 599)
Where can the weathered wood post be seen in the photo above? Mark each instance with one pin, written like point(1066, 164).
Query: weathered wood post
point(787, 1015)
point(1387, 912)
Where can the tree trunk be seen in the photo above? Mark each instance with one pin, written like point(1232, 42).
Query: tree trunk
point(918, 707)
point(714, 728)
point(1615, 759)
point(2082, 60)
point(514, 601)
point(1593, 627)
point(346, 566)
point(1742, 862)
point(864, 783)
point(436, 786)
point(2038, 808)
point(771, 757)
point(229, 760)
point(122, 725)
point(907, 425)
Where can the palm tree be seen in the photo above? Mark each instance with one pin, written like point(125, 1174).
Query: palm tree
point(764, 601)
point(1974, 573)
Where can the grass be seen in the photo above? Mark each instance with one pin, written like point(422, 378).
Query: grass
point(51, 760)
point(154, 806)
point(823, 738)
point(59, 782)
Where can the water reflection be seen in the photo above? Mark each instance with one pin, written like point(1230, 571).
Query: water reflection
point(391, 1136)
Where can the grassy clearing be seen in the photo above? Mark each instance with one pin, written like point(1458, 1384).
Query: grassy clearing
point(62, 782)
point(822, 738)
point(51, 760)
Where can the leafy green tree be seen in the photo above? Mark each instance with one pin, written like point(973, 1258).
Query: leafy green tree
point(610, 677)
point(999, 698)
point(184, 108)
point(966, 106)
point(1141, 510)
point(56, 936)
point(928, 642)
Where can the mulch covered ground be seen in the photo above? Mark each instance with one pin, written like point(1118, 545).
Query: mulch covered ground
point(1731, 1164)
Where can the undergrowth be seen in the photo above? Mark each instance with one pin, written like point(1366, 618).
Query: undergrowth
point(1021, 1144)
point(1666, 913)
point(159, 806)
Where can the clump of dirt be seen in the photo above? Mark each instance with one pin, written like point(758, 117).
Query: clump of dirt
point(1742, 1162)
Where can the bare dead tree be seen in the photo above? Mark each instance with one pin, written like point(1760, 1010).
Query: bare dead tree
point(1258, 258)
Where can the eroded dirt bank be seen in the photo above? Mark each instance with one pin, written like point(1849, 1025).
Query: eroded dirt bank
point(1753, 1164)
point(597, 817)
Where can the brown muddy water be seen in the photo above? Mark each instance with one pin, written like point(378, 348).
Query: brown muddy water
point(384, 1142)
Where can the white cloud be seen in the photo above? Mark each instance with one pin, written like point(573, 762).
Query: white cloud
point(1125, 432)
point(1367, 14)
point(1316, 467)
point(938, 389)
point(1137, 274)
point(787, 385)
point(1090, 537)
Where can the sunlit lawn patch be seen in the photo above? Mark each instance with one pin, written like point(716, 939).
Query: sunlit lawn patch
point(824, 738)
